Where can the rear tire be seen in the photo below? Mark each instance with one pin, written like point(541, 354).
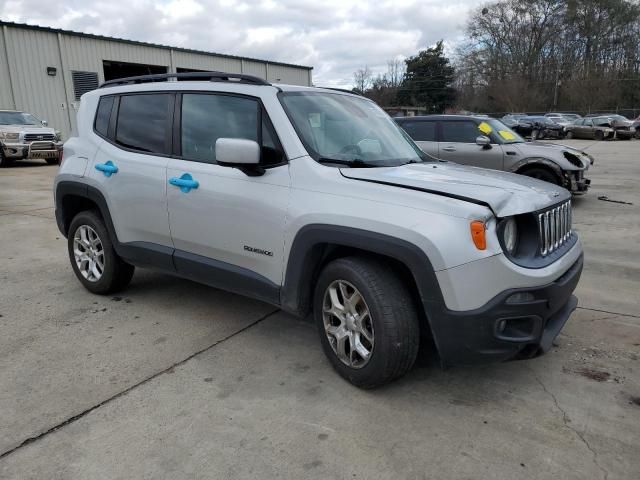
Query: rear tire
point(4, 161)
point(535, 134)
point(93, 258)
point(378, 316)
point(542, 174)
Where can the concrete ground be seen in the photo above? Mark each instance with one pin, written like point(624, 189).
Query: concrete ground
point(172, 380)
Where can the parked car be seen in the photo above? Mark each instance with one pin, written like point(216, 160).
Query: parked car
point(538, 127)
point(622, 125)
point(488, 143)
point(23, 136)
point(315, 201)
point(598, 128)
point(511, 119)
point(559, 119)
point(570, 117)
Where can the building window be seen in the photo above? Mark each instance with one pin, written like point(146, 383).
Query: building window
point(83, 82)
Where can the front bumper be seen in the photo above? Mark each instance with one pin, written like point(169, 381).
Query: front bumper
point(37, 149)
point(575, 181)
point(504, 329)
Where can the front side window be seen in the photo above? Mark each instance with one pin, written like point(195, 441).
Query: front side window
point(460, 132)
point(208, 117)
point(144, 122)
point(420, 131)
point(346, 128)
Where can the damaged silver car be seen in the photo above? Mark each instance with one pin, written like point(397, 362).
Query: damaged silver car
point(489, 143)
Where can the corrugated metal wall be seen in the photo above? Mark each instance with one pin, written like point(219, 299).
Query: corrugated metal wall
point(25, 54)
point(206, 62)
point(30, 52)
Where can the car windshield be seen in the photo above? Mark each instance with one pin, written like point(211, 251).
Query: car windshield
point(350, 130)
point(499, 132)
point(17, 118)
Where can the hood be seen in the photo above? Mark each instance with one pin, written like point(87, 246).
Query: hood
point(548, 150)
point(621, 123)
point(26, 129)
point(504, 193)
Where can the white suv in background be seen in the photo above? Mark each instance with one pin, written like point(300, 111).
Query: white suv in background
point(316, 201)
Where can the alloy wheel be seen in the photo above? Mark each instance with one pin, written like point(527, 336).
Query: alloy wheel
point(88, 253)
point(348, 324)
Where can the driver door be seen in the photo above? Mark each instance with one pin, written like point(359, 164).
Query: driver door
point(229, 229)
point(458, 144)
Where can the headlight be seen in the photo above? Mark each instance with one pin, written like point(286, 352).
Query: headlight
point(510, 236)
point(9, 136)
point(58, 135)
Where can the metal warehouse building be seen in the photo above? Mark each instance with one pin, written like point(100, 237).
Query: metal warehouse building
point(44, 71)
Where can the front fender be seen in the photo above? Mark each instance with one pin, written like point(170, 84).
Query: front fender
point(525, 162)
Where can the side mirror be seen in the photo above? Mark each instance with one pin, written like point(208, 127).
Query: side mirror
point(483, 141)
point(44, 123)
point(239, 153)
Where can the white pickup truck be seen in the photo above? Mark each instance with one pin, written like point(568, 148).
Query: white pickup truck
point(23, 136)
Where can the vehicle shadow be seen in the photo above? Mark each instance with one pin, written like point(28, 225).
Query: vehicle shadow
point(30, 164)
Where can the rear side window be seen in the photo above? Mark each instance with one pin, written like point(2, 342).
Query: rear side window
point(144, 123)
point(420, 131)
point(103, 115)
point(207, 117)
point(460, 132)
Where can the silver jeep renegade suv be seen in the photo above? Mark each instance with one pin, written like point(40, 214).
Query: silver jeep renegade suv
point(317, 202)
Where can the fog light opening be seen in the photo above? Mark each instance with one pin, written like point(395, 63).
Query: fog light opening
point(521, 297)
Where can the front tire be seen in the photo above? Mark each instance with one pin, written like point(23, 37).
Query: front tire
point(367, 321)
point(93, 258)
point(4, 161)
point(599, 135)
point(53, 161)
point(542, 174)
point(534, 135)
point(569, 135)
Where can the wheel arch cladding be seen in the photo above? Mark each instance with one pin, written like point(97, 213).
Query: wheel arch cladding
point(75, 197)
point(314, 245)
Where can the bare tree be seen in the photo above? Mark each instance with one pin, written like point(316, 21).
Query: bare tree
point(539, 54)
point(362, 79)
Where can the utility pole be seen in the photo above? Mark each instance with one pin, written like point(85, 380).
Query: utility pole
point(558, 82)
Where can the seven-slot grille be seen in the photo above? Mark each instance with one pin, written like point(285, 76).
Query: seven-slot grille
point(554, 226)
point(38, 137)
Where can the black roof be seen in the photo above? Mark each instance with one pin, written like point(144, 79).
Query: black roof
point(26, 26)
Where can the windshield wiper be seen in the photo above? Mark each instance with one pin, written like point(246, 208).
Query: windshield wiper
point(356, 162)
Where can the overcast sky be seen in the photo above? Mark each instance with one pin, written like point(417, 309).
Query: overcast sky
point(336, 37)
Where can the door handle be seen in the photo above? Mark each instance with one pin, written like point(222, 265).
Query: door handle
point(108, 168)
point(185, 182)
point(449, 149)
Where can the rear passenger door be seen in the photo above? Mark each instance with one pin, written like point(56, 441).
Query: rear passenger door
point(458, 144)
point(130, 166)
point(423, 132)
point(229, 230)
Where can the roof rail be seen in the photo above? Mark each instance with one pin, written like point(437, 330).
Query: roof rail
point(344, 90)
point(195, 76)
